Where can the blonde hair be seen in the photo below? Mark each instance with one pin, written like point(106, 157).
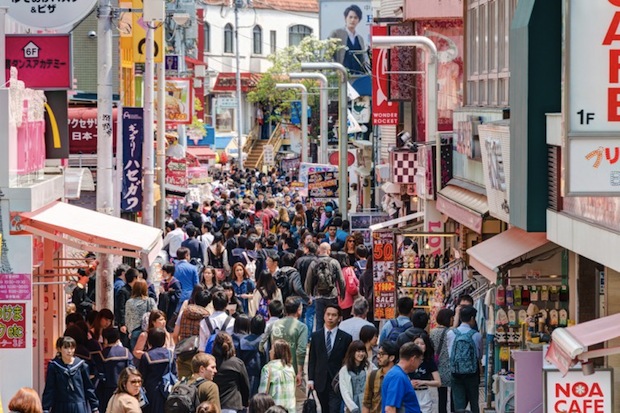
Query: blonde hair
point(26, 400)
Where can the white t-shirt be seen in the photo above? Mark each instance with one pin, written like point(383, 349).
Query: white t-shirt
point(217, 321)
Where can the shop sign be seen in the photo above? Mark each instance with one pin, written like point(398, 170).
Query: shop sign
point(577, 393)
point(43, 61)
point(495, 148)
point(176, 173)
point(290, 164)
point(12, 325)
point(593, 113)
point(198, 175)
point(385, 300)
point(384, 112)
point(179, 96)
point(138, 34)
point(465, 132)
point(133, 138)
point(306, 168)
point(383, 274)
point(15, 287)
point(50, 14)
point(268, 155)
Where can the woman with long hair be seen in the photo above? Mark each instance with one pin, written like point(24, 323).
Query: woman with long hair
point(352, 376)
point(260, 402)
point(209, 278)
point(104, 319)
point(157, 319)
point(278, 376)
point(138, 305)
point(215, 253)
point(349, 248)
point(26, 400)
point(235, 307)
point(126, 398)
point(265, 292)
point(426, 375)
point(232, 376)
point(351, 284)
point(369, 335)
point(67, 385)
point(438, 338)
point(158, 370)
point(242, 284)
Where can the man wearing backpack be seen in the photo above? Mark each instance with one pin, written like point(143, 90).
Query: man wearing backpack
point(465, 350)
point(218, 321)
point(419, 321)
point(325, 282)
point(188, 393)
point(392, 329)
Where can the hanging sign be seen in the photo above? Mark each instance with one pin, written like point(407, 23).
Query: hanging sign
point(133, 138)
point(384, 112)
point(383, 274)
point(12, 325)
point(577, 392)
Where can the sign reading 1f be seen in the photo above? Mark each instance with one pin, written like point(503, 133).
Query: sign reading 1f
point(585, 117)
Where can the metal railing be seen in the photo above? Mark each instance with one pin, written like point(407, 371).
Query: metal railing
point(275, 140)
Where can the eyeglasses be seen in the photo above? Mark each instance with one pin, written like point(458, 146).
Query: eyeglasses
point(136, 381)
point(381, 353)
point(351, 240)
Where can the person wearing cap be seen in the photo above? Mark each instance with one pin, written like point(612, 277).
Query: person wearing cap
point(326, 221)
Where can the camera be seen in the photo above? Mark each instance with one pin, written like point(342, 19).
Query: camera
point(92, 34)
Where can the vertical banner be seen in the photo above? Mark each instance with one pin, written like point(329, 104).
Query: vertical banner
point(384, 112)
point(133, 138)
point(12, 325)
point(383, 275)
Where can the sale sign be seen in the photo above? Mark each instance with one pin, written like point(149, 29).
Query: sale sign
point(384, 112)
point(577, 393)
point(383, 269)
point(12, 325)
point(385, 300)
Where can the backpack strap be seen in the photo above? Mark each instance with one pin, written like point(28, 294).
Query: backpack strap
point(371, 382)
point(394, 323)
point(209, 325)
point(226, 323)
point(441, 340)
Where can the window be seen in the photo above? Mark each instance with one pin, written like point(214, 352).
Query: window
point(487, 36)
point(207, 33)
point(228, 38)
point(272, 41)
point(297, 33)
point(258, 40)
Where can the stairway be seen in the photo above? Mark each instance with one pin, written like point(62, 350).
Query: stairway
point(255, 153)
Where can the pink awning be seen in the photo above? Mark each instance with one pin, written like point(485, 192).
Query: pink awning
point(488, 256)
point(571, 343)
point(90, 231)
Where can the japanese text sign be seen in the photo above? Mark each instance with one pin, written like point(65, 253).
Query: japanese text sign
point(48, 14)
point(43, 61)
point(176, 173)
point(15, 287)
point(133, 138)
point(385, 300)
point(384, 112)
point(576, 392)
point(12, 325)
point(383, 274)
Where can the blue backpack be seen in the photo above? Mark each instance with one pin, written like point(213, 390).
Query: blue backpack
point(463, 358)
point(397, 330)
point(213, 332)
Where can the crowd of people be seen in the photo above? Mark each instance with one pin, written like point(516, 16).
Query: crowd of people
point(265, 302)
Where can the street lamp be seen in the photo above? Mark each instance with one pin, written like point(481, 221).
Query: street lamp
point(344, 136)
point(324, 103)
point(388, 42)
point(304, 115)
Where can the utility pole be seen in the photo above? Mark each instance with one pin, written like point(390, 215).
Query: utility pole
point(238, 81)
point(105, 182)
point(161, 145)
point(149, 119)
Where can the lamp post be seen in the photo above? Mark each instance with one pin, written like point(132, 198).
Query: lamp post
point(324, 103)
point(304, 115)
point(388, 42)
point(344, 138)
point(238, 83)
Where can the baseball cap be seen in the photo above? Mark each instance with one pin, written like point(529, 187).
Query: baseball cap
point(328, 208)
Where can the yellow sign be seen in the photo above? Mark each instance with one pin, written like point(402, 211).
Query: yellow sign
point(138, 29)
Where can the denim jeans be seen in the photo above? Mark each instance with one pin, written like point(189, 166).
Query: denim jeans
point(307, 317)
point(465, 388)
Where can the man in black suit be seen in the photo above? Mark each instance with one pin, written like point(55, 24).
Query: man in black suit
point(327, 350)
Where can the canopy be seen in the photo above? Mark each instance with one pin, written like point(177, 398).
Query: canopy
point(91, 231)
point(394, 222)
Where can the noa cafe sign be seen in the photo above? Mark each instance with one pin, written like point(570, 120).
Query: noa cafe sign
point(50, 14)
point(577, 393)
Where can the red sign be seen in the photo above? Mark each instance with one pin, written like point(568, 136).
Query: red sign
point(15, 287)
point(83, 131)
point(227, 82)
point(385, 300)
point(12, 325)
point(384, 112)
point(43, 61)
point(176, 173)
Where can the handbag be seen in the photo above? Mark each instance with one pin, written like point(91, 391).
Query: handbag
point(310, 404)
point(438, 352)
point(187, 348)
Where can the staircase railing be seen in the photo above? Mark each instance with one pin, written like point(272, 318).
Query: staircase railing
point(275, 140)
point(251, 139)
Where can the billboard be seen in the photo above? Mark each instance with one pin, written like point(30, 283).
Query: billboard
point(349, 21)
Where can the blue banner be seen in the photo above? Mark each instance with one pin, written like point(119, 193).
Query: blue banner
point(133, 139)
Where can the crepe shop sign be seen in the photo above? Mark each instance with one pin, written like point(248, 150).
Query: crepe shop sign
point(576, 393)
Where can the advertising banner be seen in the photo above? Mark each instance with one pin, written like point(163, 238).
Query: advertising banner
point(12, 325)
point(179, 101)
point(383, 274)
point(495, 148)
point(384, 112)
point(133, 138)
point(176, 174)
point(323, 184)
point(43, 61)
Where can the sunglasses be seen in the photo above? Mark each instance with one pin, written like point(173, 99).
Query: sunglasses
point(136, 381)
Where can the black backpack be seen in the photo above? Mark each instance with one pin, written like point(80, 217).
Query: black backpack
point(183, 398)
point(397, 330)
point(283, 281)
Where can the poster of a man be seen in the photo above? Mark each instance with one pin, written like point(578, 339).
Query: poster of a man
point(353, 34)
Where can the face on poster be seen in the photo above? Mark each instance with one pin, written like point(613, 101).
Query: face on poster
point(341, 19)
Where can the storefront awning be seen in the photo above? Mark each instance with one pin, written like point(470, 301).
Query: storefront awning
point(227, 82)
point(570, 345)
point(90, 231)
point(394, 222)
point(488, 256)
point(463, 206)
point(202, 153)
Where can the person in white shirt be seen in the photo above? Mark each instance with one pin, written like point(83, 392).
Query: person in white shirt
point(354, 324)
point(206, 238)
point(220, 320)
point(174, 238)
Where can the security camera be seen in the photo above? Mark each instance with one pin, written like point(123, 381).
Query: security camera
point(92, 34)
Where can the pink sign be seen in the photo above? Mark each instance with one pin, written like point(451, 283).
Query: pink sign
point(43, 61)
point(15, 287)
